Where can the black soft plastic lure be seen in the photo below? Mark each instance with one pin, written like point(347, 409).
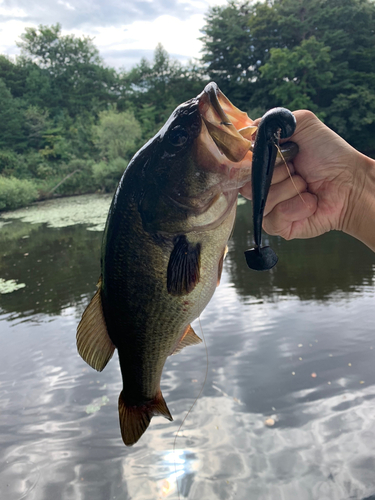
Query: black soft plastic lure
point(277, 123)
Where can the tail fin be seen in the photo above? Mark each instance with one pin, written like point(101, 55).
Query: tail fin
point(134, 420)
point(261, 259)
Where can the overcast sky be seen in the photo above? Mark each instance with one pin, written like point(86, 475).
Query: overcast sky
point(123, 30)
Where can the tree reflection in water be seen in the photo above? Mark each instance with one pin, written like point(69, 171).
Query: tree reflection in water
point(267, 333)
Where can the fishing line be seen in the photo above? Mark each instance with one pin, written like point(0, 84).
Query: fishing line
point(192, 406)
point(290, 175)
point(205, 376)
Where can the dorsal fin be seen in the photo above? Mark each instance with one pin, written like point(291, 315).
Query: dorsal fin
point(188, 338)
point(183, 268)
point(134, 420)
point(93, 342)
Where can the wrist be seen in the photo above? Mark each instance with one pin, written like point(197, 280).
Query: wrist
point(360, 219)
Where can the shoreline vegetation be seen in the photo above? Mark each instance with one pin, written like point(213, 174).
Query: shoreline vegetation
point(69, 124)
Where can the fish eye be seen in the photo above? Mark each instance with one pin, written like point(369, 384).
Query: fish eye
point(178, 136)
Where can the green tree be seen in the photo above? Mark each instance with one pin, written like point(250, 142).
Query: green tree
point(36, 124)
point(318, 54)
point(11, 120)
point(117, 134)
point(229, 54)
point(116, 137)
point(352, 114)
point(295, 77)
point(152, 89)
point(40, 89)
point(80, 133)
point(78, 79)
point(14, 75)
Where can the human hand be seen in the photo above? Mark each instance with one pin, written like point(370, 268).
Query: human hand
point(334, 183)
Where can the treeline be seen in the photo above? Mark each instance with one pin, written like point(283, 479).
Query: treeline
point(314, 54)
point(69, 124)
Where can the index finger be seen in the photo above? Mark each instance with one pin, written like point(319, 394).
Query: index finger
point(279, 175)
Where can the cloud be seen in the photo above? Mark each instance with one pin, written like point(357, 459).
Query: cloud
point(122, 30)
point(128, 58)
point(179, 38)
point(9, 32)
point(329, 456)
point(83, 13)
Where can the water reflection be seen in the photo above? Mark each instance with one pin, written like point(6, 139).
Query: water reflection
point(267, 334)
point(165, 469)
point(20, 477)
point(53, 262)
point(316, 269)
point(237, 456)
point(53, 265)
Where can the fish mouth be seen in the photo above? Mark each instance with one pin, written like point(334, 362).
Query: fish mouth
point(230, 129)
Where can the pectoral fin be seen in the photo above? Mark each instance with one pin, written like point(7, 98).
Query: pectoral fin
point(183, 267)
point(188, 338)
point(93, 342)
point(134, 419)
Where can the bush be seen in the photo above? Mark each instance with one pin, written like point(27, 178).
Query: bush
point(107, 175)
point(21, 166)
point(45, 171)
point(32, 160)
point(10, 163)
point(16, 193)
point(76, 178)
point(117, 134)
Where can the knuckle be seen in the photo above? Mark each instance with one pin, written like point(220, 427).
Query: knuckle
point(272, 223)
point(305, 114)
point(300, 183)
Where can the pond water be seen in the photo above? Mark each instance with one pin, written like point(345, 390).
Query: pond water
point(288, 407)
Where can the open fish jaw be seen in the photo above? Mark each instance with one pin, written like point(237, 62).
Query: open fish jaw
point(230, 128)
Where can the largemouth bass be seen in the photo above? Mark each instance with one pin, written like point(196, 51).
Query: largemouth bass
point(163, 249)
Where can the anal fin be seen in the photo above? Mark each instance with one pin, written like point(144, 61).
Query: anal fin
point(221, 263)
point(188, 338)
point(134, 419)
point(93, 342)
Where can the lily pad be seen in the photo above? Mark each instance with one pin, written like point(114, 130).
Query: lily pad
point(96, 405)
point(8, 286)
point(91, 210)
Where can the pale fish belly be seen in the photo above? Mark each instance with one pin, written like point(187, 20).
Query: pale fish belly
point(213, 243)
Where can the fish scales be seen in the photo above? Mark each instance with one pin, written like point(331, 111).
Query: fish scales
point(157, 325)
